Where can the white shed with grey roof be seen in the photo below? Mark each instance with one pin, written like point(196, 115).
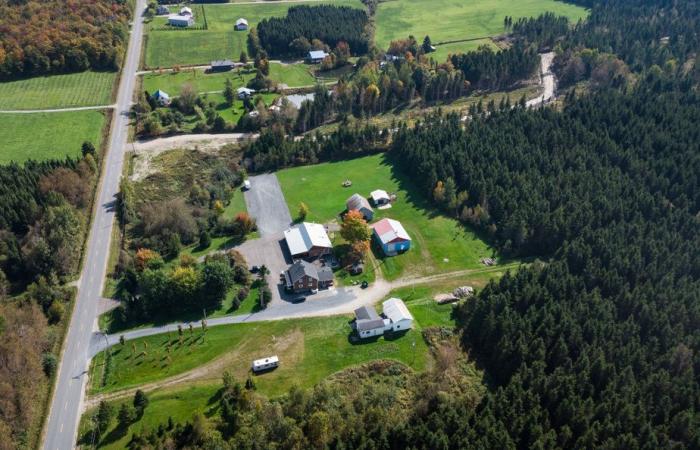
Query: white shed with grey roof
point(397, 313)
point(368, 323)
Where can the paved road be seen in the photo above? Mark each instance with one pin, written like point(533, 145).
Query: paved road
point(53, 110)
point(265, 202)
point(66, 405)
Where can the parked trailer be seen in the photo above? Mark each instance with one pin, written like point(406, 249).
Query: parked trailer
point(268, 363)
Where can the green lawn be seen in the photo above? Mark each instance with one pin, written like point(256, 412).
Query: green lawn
point(41, 136)
point(449, 20)
point(180, 404)
point(219, 41)
point(439, 243)
point(309, 350)
point(58, 91)
point(293, 75)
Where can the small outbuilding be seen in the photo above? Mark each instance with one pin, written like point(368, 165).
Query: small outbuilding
point(379, 197)
point(221, 65)
point(178, 20)
point(358, 203)
point(186, 11)
point(162, 10)
point(397, 313)
point(244, 92)
point(368, 323)
point(391, 236)
point(316, 56)
point(308, 240)
point(263, 364)
point(161, 98)
point(241, 25)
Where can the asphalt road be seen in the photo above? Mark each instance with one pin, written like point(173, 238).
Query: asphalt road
point(66, 403)
point(265, 202)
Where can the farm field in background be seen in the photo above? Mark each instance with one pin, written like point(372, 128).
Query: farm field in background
point(41, 136)
point(219, 40)
point(451, 20)
point(58, 91)
point(439, 243)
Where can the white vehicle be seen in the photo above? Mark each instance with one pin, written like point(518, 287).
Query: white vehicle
point(268, 363)
point(246, 184)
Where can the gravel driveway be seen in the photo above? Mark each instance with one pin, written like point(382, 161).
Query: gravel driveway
point(266, 203)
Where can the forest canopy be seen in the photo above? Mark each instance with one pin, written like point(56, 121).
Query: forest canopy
point(55, 36)
point(295, 34)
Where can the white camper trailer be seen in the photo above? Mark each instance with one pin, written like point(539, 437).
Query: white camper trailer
point(260, 365)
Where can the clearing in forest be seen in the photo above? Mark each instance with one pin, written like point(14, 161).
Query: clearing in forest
point(439, 243)
point(458, 20)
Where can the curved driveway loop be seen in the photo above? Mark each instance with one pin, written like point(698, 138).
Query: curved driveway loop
point(266, 204)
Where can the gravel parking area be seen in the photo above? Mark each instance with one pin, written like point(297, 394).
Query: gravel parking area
point(265, 202)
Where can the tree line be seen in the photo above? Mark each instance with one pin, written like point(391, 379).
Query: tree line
point(58, 36)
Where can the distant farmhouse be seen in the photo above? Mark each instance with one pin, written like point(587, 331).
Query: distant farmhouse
point(185, 11)
point(244, 92)
point(162, 10)
point(241, 25)
point(391, 236)
point(303, 276)
point(178, 20)
point(161, 97)
point(222, 65)
point(395, 317)
point(380, 197)
point(308, 240)
point(358, 203)
point(316, 56)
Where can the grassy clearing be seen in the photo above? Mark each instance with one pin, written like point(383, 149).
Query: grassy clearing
point(179, 404)
point(439, 243)
point(314, 347)
point(325, 345)
point(449, 20)
point(41, 136)
point(293, 75)
point(219, 41)
point(58, 91)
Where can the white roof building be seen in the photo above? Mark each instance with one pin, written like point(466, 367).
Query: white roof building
point(185, 11)
point(244, 92)
point(379, 197)
point(307, 237)
point(241, 23)
point(395, 310)
point(317, 55)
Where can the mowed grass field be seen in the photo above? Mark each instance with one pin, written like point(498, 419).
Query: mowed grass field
point(219, 41)
point(439, 243)
point(293, 75)
point(58, 91)
point(41, 136)
point(309, 350)
point(450, 20)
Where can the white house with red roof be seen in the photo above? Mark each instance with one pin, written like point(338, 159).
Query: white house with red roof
point(391, 236)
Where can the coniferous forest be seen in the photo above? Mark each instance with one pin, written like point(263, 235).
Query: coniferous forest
point(596, 343)
point(328, 24)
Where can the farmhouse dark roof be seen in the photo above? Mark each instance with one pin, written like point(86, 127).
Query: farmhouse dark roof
point(300, 269)
point(325, 274)
point(366, 313)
